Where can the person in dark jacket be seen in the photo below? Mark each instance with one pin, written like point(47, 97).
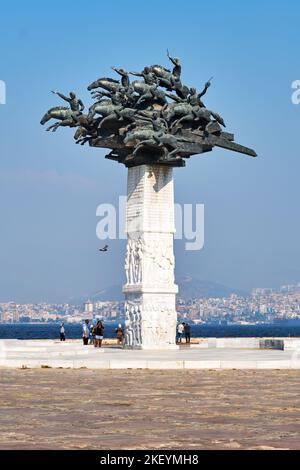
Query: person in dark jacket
point(187, 332)
point(99, 333)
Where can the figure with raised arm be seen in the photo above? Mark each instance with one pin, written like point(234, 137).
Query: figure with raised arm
point(76, 104)
point(194, 98)
point(206, 87)
point(177, 66)
point(203, 92)
point(149, 77)
point(125, 77)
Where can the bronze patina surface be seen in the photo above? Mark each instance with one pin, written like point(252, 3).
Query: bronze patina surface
point(156, 119)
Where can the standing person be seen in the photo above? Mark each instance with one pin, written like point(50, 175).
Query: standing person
point(99, 333)
point(187, 332)
point(180, 330)
point(62, 332)
point(92, 335)
point(120, 334)
point(86, 332)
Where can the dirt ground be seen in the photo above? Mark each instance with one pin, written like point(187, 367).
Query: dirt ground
point(85, 409)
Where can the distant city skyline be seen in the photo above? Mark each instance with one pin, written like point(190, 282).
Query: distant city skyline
point(261, 306)
point(50, 188)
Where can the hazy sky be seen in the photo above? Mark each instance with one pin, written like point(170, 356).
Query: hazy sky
point(50, 188)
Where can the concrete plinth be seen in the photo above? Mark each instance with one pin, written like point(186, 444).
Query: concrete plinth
point(150, 290)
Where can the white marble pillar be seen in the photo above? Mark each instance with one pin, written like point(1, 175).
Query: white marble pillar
point(150, 290)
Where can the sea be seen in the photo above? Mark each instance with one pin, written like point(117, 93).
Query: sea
point(73, 331)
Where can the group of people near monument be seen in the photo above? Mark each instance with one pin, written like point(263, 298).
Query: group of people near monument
point(93, 334)
point(183, 331)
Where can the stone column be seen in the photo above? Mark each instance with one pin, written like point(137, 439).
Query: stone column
point(150, 290)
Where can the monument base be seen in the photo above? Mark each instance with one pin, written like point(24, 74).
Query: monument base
point(150, 291)
point(151, 320)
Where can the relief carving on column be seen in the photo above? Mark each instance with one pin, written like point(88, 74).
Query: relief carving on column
point(159, 323)
point(134, 261)
point(151, 263)
point(133, 316)
point(159, 263)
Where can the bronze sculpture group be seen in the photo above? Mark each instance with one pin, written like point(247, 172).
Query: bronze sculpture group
point(154, 120)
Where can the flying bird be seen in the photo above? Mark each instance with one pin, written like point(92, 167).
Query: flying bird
point(104, 249)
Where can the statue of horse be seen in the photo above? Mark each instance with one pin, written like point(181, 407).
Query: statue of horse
point(138, 134)
point(184, 112)
point(111, 115)
point(119, 114)
point(147, 137)
point(148, 92)
point(200, 115)
point(164, 75)
point(104, 108)
point(108, 84)
point(177, 110)
point(63, 114)
point(86, 130)
point(168, 143)
point(169, 81)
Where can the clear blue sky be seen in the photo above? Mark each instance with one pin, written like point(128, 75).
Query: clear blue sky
point(50, 188)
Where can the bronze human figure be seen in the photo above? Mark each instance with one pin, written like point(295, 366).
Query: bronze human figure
point(149, 77)
point(125, 76)
point(75, 103)
point(177, 66)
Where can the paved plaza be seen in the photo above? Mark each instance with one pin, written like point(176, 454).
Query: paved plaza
point(149, 409)
point(42, 354)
